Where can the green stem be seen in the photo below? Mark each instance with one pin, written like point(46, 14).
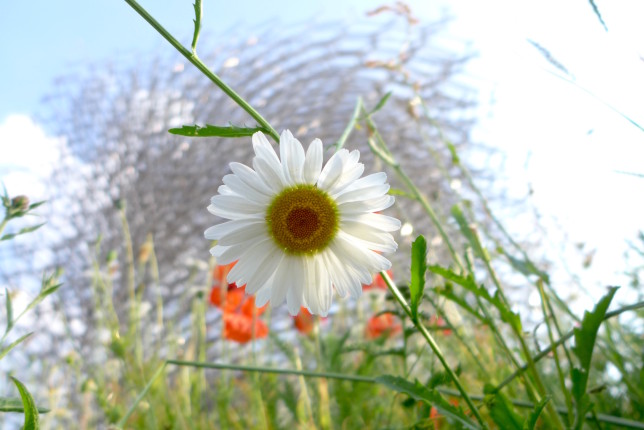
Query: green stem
point(433, 345)
point(560, 373)
point(378, 146)
point(2, 225)
point(194, 59)
point(350, 125)
point(140, 397)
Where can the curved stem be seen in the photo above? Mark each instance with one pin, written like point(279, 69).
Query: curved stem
point(433, 345)
point(194, 59)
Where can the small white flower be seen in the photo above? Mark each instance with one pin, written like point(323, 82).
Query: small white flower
point(297, 230)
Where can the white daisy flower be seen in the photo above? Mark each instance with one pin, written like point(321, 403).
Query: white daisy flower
point(298, 230)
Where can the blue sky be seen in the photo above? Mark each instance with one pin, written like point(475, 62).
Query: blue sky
point(557, 138)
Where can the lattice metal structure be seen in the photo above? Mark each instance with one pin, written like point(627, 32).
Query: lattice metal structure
point(115, 117)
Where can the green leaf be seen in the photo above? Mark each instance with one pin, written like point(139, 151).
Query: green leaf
point(35, 205)
point(585, 337)
point(44, 292)
point(216, 131)
point(6, 350)
point(469, 284)
point(531, 422)
point(22, 231)
point(586, 334)
point(501, 410)
point(449, 294)
point(30, 410)
point(14, 404)
point(424, 394)
point(399, 192)
point(526, 267)
point(452, 150)
point(381, 103)
point(418, 269)
point(466, 230)
point(9, 310)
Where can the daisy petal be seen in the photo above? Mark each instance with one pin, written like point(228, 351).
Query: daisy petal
point(250, 178)
point(292, 156)
point(234, 204)
point(379, 221)
point(294, 295)
point(220, 230)
point(313, 162)
point(364, 206)
point(332, 170)
point(251, 232)
point(265, 269)
point(362, 194)
point(240, 273)
point(237, 185)
point(270, 175)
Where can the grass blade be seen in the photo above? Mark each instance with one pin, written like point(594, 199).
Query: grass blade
point(418, 269)
point(30, 410)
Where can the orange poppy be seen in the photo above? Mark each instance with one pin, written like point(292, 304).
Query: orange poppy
point(229, 297)
point(304, 321)
point(381, 325)
point(238, 308)
point(239, 327)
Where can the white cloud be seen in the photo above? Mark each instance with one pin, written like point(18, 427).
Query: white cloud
point(27, 156)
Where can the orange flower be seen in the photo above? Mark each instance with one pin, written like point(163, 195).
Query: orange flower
point(238, 308)
point(248, 305)
point(304, 321)
point(234, 298)
point(383, 324)
point(378, 283)
point(239, 327)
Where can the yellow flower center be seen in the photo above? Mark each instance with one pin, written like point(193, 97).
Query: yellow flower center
point(302, 219)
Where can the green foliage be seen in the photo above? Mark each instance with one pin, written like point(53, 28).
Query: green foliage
point(216, 131)
point(381, 103)
point(501, 410)
point(585, 337)
point(418, 269)
point(14, 404)
point(531, 422)
point(9, 310)
point(424, 394)
point(13, 344)
point(470, 285)
point(24, 230)
point(31, 412)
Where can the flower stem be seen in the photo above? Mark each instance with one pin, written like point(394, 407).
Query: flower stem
point(433, 345)
point(2, 225)
point(194, 59)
